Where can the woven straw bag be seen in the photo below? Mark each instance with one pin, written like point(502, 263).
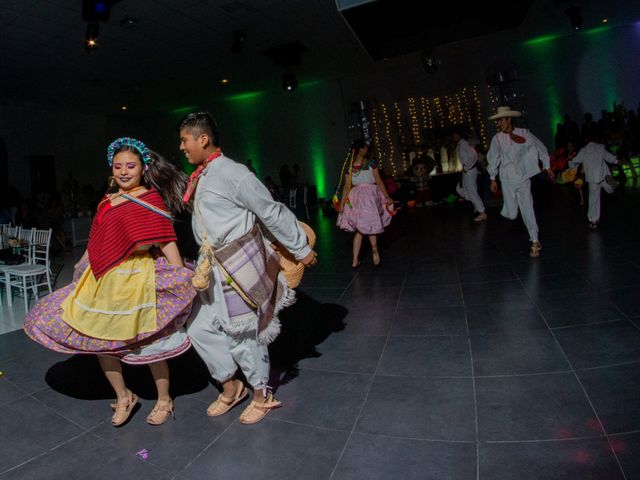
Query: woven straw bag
point(292, 269)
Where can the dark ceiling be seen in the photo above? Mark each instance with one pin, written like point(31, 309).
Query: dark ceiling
point(168, 54)
point(388, 28)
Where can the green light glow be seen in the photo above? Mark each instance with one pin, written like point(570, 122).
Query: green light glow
point(546, 58)
point(239, 97)
point(601, 48)
point(247, 107)
point(311, 83)
point(601, 29)
point(542, 39)
point(318, 162)
point(184, 110)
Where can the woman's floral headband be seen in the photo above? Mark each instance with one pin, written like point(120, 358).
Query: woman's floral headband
point(131, 142)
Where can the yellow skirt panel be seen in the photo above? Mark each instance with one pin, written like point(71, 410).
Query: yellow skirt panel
point(118, 306)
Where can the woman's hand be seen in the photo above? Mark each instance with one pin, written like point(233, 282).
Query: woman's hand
point(493, 186)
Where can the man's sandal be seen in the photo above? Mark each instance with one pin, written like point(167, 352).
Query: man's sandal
point(256, 411)
point(223, 404)
point(535, 249)
point(122, 410)
point(160, 413)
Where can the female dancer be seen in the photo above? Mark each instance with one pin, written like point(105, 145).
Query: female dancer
point(130, 294)
point(365, 207)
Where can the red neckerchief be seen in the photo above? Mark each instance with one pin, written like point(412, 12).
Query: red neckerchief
point(193, 179)
point(516, 138)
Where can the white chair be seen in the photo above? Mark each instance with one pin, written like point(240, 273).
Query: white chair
point(10, 231)
point(26, 276)
point(298, 194)
point(27, 237)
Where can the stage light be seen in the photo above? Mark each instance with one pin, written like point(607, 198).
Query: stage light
point(96, 10)
point(91, 38)
point(289, 81)
point(575, 17)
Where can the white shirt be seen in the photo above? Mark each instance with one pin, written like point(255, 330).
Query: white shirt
point(516, 161)
point(593, 156)
point(466, 154)
point(363, 176)
point(230, 197)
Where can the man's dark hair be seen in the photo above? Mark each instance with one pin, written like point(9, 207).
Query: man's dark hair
point(199, 123)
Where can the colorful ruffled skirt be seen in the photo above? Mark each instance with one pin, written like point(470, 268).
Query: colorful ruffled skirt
point(365, 211)
point(164, 338)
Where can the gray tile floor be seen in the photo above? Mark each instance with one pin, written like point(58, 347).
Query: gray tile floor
point(458, 358)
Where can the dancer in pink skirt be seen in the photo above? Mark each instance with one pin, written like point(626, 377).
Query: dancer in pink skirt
point(131, 294)
point(365, 207)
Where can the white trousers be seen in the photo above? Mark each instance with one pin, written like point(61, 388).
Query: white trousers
point(593, 214)
point(223, 353)
point(469, 189)
point(517, 195)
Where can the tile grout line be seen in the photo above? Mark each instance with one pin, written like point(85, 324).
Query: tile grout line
point(217, 437)
point(373, 376)
point(628, 318)
point(55, 447)
point(584, 391)
point(473, 376)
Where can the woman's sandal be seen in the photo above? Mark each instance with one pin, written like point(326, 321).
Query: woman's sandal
point(122, 410)
point(223, 404)
point(160, 413)
point(535, 249)
point(256, 411)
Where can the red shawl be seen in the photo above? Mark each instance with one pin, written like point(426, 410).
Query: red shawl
point(118, 230)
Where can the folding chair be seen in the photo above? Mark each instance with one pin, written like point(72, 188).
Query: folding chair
point(27, 275)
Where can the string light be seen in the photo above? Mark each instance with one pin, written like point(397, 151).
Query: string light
point(454, 108)
point(423, 104)
point(387, 127)
point(483, 133)
point(403, 153)
point(376, 135)
point(415, 124)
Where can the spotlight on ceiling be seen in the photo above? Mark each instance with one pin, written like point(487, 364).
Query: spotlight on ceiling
point(430, 64)
point(575, 17)
point(289, 81)
point(129, 22)
point(91, 37)
point(96, 10)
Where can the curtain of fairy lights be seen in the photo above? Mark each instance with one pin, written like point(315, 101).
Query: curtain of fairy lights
point(403, 125)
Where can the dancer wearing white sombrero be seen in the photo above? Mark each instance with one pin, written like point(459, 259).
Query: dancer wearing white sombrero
point(514, 155)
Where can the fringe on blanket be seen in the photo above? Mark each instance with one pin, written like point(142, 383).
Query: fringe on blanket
point(272, 331)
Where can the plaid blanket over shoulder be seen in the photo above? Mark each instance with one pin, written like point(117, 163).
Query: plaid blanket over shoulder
point(254, 290)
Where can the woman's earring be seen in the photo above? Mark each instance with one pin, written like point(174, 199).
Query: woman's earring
point(111, 181)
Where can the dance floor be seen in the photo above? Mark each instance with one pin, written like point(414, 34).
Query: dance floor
point(458, 358)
